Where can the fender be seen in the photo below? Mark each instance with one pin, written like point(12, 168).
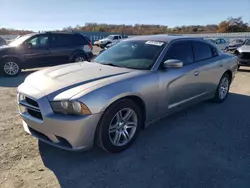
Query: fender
point(20, 58)
point(77, 52)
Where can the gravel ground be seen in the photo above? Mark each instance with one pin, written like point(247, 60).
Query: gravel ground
point(204, 146)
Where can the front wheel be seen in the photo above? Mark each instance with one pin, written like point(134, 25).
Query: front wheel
point(223, 88)
point(11, 67)
point(119, 126)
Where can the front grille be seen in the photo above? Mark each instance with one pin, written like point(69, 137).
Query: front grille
point(245, 55)
point(31, 102)
point(32, 108)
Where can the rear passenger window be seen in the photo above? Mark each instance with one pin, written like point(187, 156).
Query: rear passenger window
point(78, 40)
point(181, 51)
point(61, 40)
point(202, 51)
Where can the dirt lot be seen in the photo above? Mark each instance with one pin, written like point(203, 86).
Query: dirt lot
point(205, 146)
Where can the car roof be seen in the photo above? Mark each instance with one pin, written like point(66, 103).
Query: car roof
point(163, 37)
point(62, 32)
point(115, 35)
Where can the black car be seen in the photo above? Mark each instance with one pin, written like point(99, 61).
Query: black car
point(44, 49)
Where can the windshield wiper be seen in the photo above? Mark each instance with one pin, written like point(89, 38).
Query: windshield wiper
point(111, 64)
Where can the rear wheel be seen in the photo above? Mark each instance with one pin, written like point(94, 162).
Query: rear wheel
point(223, 88)
point(79, 58)
point(11, 67)
point(119, 126)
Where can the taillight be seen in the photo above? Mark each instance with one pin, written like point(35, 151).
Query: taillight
point(90, 46)
point(87, 48)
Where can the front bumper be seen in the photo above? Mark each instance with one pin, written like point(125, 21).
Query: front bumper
point(231, 49)
point(244, 59)
point(67, 132)
point(244, 62)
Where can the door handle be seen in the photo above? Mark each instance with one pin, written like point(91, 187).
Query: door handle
point(196, 73)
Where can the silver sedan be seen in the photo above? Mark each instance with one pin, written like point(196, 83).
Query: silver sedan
point(124, 89)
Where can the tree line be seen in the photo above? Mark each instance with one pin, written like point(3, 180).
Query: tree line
point(230, 25)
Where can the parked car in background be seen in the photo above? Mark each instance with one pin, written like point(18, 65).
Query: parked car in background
point(234, 44)
point(243, 53)
point(124, 89)
point(210, 40)
point(220, 42)
point(2, 42)
point(108, 46)
point(44, 49)
point(108, 40)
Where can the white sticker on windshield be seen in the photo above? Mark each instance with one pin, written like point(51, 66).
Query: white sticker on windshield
point(154, 43)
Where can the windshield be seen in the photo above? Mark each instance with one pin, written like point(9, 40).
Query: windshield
point(237, 41)
point(137, 54)
point(211, 40)
point(109, 37)
point(19, 40)
point(247, 42)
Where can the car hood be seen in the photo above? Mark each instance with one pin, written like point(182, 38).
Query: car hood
point(244, 48)
point(6, 47)
point(55, 80)
point(105, 39)
point(234, 44)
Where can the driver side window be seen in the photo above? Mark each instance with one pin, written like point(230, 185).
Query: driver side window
point(182, 51)
point(39, 41)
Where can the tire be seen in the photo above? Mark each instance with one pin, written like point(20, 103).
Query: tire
point(109, 123)
point(79, 58)
point(220, 97)
point(10, 67)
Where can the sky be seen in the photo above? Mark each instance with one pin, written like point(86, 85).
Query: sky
point(55, 14)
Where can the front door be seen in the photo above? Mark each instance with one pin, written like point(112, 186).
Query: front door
point(36, 51)
point(180, 85)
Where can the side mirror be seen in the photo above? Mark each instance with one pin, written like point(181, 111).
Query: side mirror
point(173, 63)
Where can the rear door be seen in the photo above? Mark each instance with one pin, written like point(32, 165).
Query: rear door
point(64, 46)
point(61, 48)
point(210, 67)
point(116, 39)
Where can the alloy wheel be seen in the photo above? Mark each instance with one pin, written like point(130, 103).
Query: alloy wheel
point(123, 127)
point(223, 88)
point(79, 59)
point(11, 68)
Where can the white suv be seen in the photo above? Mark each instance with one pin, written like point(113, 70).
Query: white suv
point(108, 40)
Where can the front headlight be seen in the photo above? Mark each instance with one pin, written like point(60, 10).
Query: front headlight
point(70, 107)
point(20, 97)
